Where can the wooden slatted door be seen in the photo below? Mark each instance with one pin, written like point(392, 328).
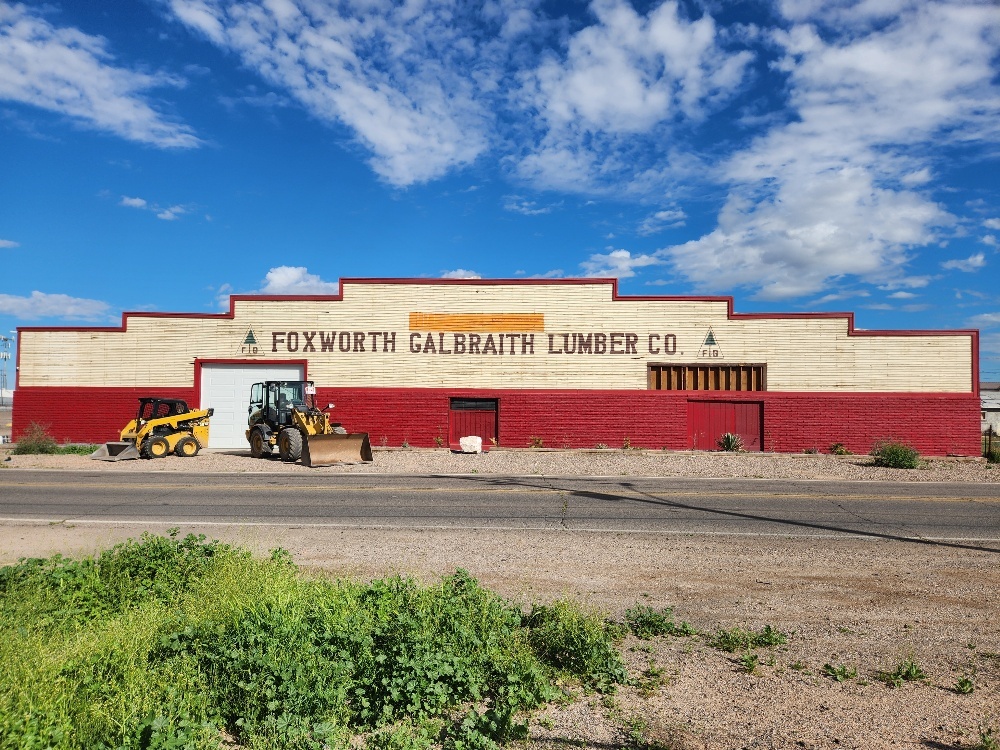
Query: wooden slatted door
point(472, 416)
point(709, 420)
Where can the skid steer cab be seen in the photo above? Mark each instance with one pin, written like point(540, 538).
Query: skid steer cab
point(162, 426)
point(283, 415)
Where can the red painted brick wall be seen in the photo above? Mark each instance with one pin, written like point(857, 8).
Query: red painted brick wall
point(935, 424)
point(85, 415)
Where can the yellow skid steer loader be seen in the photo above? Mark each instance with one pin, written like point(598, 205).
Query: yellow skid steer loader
point(283, 415)
point(162, 426)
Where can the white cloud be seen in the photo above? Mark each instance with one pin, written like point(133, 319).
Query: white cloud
point(42, 305)
point(968, 265)
point(902, 295)
point(986, 320)
point(990, 240)
point(661, 220)
point(828, 193)
point(460, 273)
point(617, 263)
point(524, 207)
point(296, 280)
point(412, 80)
point(626, 76)
point(171, 214)
point(992, 223)
point(71, 73)
point(9, 243)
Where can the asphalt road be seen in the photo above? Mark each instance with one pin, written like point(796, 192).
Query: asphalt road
point(959, 515)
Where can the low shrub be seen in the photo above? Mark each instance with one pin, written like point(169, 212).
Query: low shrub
point(894, 454)
point(838, 449)
point(35, 439)
point(536, 442)
point(730, 442)
point(993, 456)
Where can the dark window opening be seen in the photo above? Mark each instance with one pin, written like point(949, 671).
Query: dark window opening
point(740, 377)
point(474, 404)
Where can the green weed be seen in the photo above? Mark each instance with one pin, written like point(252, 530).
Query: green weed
point(646, 622)
point(906, 671)
point(738, 639)
point(749, 662)
point(965, 685)
point(989, 739)
point(167, 642)
point(840, 673)
point(838, 449)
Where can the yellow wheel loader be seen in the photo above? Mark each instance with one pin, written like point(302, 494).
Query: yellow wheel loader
point(162, 426)
point(283, 415)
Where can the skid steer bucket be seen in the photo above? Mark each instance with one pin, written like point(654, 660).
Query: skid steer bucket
point(115, 452)
point(327, 450)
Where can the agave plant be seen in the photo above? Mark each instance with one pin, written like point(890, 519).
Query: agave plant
point(730, 442)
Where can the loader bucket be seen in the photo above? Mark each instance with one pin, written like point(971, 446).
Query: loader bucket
point(115, 452)
point(327, 450)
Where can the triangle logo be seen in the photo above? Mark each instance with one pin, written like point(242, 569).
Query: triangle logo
point(250, 345)
point(710, 348)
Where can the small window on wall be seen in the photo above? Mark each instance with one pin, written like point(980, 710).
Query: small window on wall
point(707, 377)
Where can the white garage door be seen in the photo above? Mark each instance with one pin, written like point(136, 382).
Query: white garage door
point(226, 388)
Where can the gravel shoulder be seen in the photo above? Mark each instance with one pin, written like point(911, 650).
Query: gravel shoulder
point(863, 604)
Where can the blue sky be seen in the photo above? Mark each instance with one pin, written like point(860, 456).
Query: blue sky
point(800, 155)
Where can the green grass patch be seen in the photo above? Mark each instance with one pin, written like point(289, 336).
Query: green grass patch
point(167, 642)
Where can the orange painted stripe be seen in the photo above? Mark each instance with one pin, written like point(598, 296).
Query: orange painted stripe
point(486, 322)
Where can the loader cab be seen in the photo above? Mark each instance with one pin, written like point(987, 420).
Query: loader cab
point(157, 408)
point(275, 399)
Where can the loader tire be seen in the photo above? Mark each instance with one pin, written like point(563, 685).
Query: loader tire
point(187, 447)
point(259, 447)
point(290, 444)
point(155, 447)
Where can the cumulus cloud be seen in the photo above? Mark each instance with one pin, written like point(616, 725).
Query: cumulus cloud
point(9, 243)
point(616, 263)
point(968, 265)
point(132, 202)
point(61, 306)
point(296, 280)
point(831, 192)
point(661, 220)
point(460, 273)
point(626, 77)
point(63, 70)
point(992, 223)
point(409, 79)
point(986, 320)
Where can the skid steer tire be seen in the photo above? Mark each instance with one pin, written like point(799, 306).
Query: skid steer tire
point(155, 447)
point(290, 444)
point(187, 447)
point(259, 447)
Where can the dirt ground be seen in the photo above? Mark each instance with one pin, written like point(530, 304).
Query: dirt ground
point(865, 605)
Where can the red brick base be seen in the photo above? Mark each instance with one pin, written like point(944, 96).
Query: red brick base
point(936, 424)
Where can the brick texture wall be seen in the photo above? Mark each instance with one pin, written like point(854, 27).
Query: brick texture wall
point(935, 424)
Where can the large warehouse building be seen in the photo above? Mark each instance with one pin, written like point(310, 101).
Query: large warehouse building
point(565, 363)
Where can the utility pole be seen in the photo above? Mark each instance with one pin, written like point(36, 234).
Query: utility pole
point(4, 357)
